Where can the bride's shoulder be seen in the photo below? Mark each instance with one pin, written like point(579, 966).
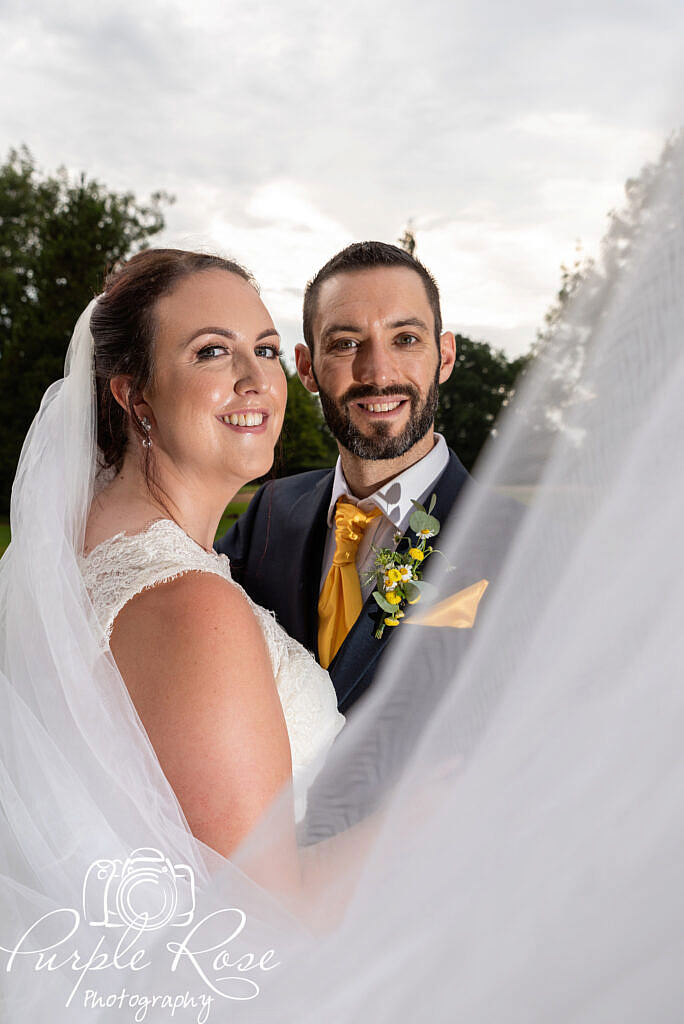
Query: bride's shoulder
point(146, 564)
point(197, 626)
point(193, 603)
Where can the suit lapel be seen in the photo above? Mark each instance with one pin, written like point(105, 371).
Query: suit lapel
point(360, 650)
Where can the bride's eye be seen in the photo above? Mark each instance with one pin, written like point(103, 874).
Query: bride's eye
point(267, 351)
point(211, 351)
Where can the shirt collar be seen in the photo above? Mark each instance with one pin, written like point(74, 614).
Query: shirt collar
point(394, 498)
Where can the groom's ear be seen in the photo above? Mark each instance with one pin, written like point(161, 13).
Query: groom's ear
point(447, 353)
point(304, 364)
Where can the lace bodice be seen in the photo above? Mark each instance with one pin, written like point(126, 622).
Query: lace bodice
point(124, 565)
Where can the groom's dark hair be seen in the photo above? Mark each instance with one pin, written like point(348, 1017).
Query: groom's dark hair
point(367, 256)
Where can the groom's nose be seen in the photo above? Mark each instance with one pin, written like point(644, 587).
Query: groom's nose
point(375, 362)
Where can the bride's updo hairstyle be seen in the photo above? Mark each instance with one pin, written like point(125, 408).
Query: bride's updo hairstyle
point(123, 326)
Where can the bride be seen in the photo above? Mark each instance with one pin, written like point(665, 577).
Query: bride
point(542, 881)
point(152, 714)
point(190, 403)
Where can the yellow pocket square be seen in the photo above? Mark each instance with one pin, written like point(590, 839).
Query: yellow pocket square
point(457, 611)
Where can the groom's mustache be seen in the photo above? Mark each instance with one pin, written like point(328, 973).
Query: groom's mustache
point(360, 391)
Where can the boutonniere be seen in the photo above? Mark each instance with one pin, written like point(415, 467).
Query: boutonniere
point(399, 573)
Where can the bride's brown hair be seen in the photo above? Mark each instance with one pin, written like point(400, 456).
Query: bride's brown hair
point(123, 326)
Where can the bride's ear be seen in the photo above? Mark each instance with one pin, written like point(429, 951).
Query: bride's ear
point(131, 403)
point(120, 387)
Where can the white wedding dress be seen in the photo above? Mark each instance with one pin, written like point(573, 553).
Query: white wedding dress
point(126, 564)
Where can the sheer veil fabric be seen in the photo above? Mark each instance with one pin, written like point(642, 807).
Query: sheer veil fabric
point(498, 840)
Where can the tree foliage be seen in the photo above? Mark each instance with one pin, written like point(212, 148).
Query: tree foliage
point(408, 240)
point(482, 382)
point(58, 236)
point(306, 442)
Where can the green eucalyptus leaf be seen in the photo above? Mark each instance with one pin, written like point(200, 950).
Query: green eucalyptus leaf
point(419, 520)
point(433, 502)
point(426, 523)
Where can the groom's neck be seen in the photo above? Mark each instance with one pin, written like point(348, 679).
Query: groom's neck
point(365, 476)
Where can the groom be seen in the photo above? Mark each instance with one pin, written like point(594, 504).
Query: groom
point(376, 354)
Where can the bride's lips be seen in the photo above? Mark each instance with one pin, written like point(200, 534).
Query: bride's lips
point(245, 421)
point(384, 407)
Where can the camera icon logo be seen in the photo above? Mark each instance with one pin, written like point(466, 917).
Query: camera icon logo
point(145, 891)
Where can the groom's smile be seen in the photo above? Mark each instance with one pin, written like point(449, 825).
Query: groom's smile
point(379, 409)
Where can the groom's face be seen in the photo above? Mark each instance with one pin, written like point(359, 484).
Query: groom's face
point(376, 362)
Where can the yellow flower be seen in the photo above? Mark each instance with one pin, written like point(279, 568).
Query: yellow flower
point(391, 622)
point(416, 554)
point(394, 575)
point(426, 533)
point(393, 598)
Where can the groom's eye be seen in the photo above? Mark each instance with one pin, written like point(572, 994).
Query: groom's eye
point(345, 343)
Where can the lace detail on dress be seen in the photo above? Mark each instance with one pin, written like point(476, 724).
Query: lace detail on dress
point(127, 564)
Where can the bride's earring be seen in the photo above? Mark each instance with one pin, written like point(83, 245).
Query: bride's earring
point(147, 427)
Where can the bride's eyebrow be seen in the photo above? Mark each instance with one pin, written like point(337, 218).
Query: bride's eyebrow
point(223, 331)
point(270, 332)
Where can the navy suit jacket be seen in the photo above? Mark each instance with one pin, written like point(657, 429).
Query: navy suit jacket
point(276, 552)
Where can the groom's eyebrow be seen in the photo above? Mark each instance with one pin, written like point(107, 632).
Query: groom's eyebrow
point(337, 328)
point(270, 332)
point(409, 321)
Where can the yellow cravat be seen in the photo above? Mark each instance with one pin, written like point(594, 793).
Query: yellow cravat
point(340, 603)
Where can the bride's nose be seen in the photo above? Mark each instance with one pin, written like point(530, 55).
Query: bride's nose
point(251, 376)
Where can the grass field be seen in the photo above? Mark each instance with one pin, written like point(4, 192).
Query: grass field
point(242, 499)
point(236, 508)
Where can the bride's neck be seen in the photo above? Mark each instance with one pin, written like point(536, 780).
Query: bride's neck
point(131, 499)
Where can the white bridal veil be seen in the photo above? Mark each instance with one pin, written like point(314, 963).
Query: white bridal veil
point(506, 843)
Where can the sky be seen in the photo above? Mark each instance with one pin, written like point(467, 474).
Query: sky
point(286, 130)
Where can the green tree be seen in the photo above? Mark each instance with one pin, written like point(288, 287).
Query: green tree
point(306, 441)
point(483, 380)
point(408, 240)
point(58, 236)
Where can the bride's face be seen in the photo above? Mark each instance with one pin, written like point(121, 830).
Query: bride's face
point(218, 398)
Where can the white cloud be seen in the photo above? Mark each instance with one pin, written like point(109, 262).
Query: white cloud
point(287, 129)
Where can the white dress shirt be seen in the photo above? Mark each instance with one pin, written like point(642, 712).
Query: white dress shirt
point(394, 501)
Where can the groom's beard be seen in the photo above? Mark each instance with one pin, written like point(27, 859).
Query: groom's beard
point(378, 443)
